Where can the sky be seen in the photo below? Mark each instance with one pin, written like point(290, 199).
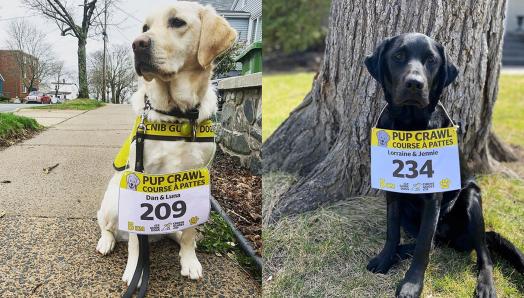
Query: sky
point(124, 25)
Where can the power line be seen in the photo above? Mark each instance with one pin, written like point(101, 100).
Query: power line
point(122, 34)
point(128, 14)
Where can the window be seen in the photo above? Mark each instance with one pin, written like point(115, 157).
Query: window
point(253, 31)
point(24, 89)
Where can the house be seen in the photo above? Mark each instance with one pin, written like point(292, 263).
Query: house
point(63, 90)
point(13, 80)
point(513, 51)
point(243, 15)
point(246, 17)
point(254, 8)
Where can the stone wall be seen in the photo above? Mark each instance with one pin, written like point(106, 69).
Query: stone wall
point(241, 119)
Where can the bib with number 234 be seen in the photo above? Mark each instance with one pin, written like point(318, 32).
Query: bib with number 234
point(165, 203)
point(424, 161)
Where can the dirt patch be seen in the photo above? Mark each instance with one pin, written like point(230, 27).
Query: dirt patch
point(239, 193)
point(517, 166)
point(19, 137)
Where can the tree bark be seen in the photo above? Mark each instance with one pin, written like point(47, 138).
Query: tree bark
point(83, 91)
point(326, 139)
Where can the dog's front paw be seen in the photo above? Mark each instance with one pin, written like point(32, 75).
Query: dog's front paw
point(485, 285)
point(409, 289)
point(128, 275)
point(381, 263)
point(106, 243)
point(191, 267)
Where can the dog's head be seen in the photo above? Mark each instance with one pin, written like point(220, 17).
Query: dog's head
point(186, 35)
point(412, 68)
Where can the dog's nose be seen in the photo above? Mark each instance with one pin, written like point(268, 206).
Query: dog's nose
point(414, 83)
point(141, 44)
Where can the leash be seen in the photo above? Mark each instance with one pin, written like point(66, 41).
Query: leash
point(142, 266)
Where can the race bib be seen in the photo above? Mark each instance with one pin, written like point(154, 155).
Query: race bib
point(424, 161)
point(162, 204)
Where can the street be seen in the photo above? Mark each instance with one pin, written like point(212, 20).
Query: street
point(11, 107)
point(49, 227)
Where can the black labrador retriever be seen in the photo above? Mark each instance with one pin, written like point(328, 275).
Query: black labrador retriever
point(413, 70)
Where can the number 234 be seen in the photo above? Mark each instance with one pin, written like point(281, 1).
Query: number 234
point(412, 167)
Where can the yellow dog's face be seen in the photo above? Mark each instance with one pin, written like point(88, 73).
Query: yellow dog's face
point(184, 36)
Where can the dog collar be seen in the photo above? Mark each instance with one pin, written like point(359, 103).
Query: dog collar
point(191, 114)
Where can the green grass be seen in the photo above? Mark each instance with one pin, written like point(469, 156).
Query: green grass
point(325, 252)
point(75, 104)
point(13, 126)
point(219, 239)
point(509, 109)
point(282, 93)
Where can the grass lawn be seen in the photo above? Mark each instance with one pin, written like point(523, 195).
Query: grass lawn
point(325, 252)
point(75, 104)
point(13, 127)
point(282, 93)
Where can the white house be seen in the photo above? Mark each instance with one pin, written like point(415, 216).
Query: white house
point(65, 90)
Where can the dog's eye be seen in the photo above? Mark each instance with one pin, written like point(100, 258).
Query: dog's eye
point(399, 56)
point(431, 60)
point(145, 28)
point(176, 23)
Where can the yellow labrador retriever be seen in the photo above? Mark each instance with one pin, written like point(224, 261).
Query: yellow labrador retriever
point(174, 55)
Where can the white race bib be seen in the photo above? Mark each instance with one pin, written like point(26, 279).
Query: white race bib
point(162, 204)
point(424, 161)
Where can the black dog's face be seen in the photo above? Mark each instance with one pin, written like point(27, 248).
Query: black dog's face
point(412, 68)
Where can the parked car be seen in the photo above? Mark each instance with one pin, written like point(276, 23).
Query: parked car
point(37, 97)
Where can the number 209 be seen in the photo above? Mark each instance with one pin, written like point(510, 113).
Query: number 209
point(163, 210)
point(426, 169)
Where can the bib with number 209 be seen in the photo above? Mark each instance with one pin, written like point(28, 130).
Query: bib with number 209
point(165, 203)
point(424, 161)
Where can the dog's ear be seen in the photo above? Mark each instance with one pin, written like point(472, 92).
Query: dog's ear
point(216, 36)
point(375, 62)
point(447, 72)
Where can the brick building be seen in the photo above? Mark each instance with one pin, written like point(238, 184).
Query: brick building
point(13, 85)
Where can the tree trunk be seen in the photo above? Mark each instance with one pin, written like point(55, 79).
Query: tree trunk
point(83, 92)
point(326, 139)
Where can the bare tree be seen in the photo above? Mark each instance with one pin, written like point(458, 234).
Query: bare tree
point(95, 74)
point(120, 73)
point(33, 54)
point(326, 139)
point(62, 13)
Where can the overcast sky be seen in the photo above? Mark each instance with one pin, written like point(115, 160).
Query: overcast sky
point(124, 26)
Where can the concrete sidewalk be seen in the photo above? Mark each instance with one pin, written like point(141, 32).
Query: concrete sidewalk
point(49, 231)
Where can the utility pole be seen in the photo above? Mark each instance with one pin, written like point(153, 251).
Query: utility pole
point(104, 33)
